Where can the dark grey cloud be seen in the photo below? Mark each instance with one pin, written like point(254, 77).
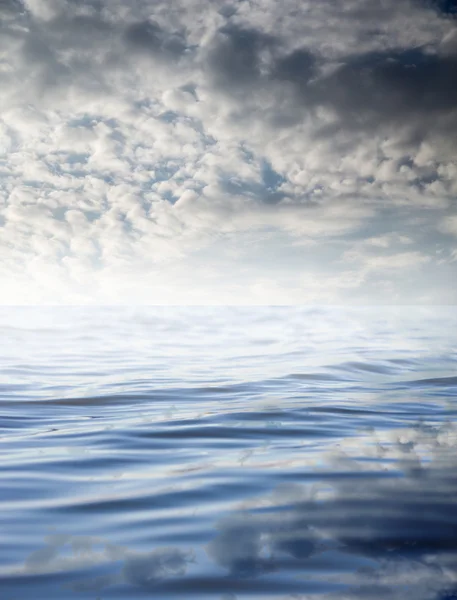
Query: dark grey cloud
point(80, 31)
point(10, 7)
point(149, 37)
point(247, 58)
point(234, 59)
point(414, 88)
point(297, 67)
point(81, 46)
point(400, 87)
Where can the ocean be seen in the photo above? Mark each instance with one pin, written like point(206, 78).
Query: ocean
point(228, 453)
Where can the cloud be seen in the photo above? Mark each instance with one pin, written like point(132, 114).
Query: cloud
point(234, 59)
point(449, 225)
point(171, 127)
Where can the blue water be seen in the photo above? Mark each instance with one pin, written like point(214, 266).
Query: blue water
point(228, 453)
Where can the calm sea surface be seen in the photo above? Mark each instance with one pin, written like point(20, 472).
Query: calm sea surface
point(228, 453)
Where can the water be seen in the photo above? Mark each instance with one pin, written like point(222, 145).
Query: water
point(228, 453)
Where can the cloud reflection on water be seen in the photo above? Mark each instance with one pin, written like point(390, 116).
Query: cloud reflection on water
point(382, 524)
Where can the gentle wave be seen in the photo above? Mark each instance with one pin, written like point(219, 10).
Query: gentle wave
point(228, 453)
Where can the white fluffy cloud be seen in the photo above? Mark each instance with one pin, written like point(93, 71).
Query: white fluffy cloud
point(227, 151)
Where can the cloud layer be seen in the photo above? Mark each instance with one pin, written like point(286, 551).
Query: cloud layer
point(201, 152)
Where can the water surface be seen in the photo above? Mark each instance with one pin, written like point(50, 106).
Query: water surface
point(228, 453)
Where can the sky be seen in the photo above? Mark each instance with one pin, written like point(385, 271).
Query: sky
point(228, 152)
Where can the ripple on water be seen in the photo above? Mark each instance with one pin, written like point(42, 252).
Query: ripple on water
point(228, 453)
